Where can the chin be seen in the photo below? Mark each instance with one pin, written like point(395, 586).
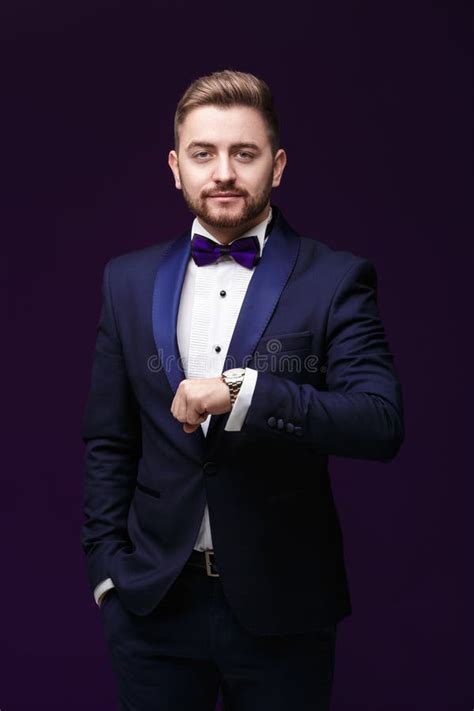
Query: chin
point(225, 217)
point(222, 223)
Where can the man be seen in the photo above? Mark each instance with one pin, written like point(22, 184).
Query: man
point(230, 362)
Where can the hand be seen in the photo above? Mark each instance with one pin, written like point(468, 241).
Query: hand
point(197, 398)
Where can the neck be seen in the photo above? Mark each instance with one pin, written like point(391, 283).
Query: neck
point(225, 235)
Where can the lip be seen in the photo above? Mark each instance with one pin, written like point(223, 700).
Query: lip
point(225, 197)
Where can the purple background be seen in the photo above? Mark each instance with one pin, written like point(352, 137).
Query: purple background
point(375, 113)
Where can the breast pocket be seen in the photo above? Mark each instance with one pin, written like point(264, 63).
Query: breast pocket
point(284, 354)
point(285, 342)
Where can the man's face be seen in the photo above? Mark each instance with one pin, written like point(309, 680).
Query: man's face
point(225, 166)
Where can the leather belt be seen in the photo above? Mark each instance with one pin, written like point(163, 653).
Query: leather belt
point(204, 560)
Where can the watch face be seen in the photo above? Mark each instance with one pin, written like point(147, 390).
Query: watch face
point(234, 373)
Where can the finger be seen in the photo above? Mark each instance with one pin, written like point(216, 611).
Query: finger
point(189, 428)
point(194, 417)
point(180, 404)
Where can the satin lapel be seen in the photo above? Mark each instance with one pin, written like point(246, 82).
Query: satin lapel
point(261, 298)
point(169, 281)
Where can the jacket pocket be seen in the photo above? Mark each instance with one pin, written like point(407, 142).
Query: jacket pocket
point(284, 342)
point(148, 490)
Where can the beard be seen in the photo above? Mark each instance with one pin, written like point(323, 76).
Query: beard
point(222, 217)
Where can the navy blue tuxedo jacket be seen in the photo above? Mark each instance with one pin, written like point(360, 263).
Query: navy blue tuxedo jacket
point(327, 385)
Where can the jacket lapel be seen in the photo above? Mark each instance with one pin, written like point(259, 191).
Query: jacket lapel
point(166, 297)
point(261, 298)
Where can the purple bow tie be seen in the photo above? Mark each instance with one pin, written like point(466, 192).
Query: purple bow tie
point(245, 250)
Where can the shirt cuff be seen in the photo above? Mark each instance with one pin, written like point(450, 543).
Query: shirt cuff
point(242, 402)
point(102, 588)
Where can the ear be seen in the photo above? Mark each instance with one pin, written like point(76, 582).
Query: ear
point(279, 163)
point(173, 164)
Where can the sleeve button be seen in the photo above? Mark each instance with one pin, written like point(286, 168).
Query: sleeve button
point(280, 424)
point(271, 422)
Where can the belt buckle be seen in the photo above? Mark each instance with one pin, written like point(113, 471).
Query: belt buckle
point(209, 564)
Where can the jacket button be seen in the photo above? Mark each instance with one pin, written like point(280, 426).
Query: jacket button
point(280, 424)
point(210, 468)
point(271, 422)
point(289, 427)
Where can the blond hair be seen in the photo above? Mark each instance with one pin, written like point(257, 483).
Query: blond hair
point(230, 88)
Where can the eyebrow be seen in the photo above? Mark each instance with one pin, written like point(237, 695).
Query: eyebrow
point(206, 144)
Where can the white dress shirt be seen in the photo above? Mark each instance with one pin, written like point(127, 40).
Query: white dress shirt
point(211, 299)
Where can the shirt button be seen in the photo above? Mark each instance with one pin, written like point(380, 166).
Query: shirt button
point(222, 293)
point(280, 424)
point(271, 422)
point(217, 349)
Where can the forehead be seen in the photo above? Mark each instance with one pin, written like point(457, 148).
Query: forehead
point(224, 125)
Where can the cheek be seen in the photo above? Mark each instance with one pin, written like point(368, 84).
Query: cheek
point(193, 182)
point(257, 182)
point(256, 176)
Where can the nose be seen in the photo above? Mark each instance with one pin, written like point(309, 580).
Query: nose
point(223, 170)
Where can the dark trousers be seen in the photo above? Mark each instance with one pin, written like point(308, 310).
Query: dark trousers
point(179, 656)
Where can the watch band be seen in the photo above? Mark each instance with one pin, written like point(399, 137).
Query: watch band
point(233, 378)
point(234, 389)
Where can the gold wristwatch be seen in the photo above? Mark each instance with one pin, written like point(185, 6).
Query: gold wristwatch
point(233, 379)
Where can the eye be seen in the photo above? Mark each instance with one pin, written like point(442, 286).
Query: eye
point(200, 154)
point(245, 155)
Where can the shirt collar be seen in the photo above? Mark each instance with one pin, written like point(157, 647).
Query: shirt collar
point(258, 231)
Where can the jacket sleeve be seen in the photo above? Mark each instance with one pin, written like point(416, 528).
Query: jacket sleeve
point(359, 413)
point(111, 432)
